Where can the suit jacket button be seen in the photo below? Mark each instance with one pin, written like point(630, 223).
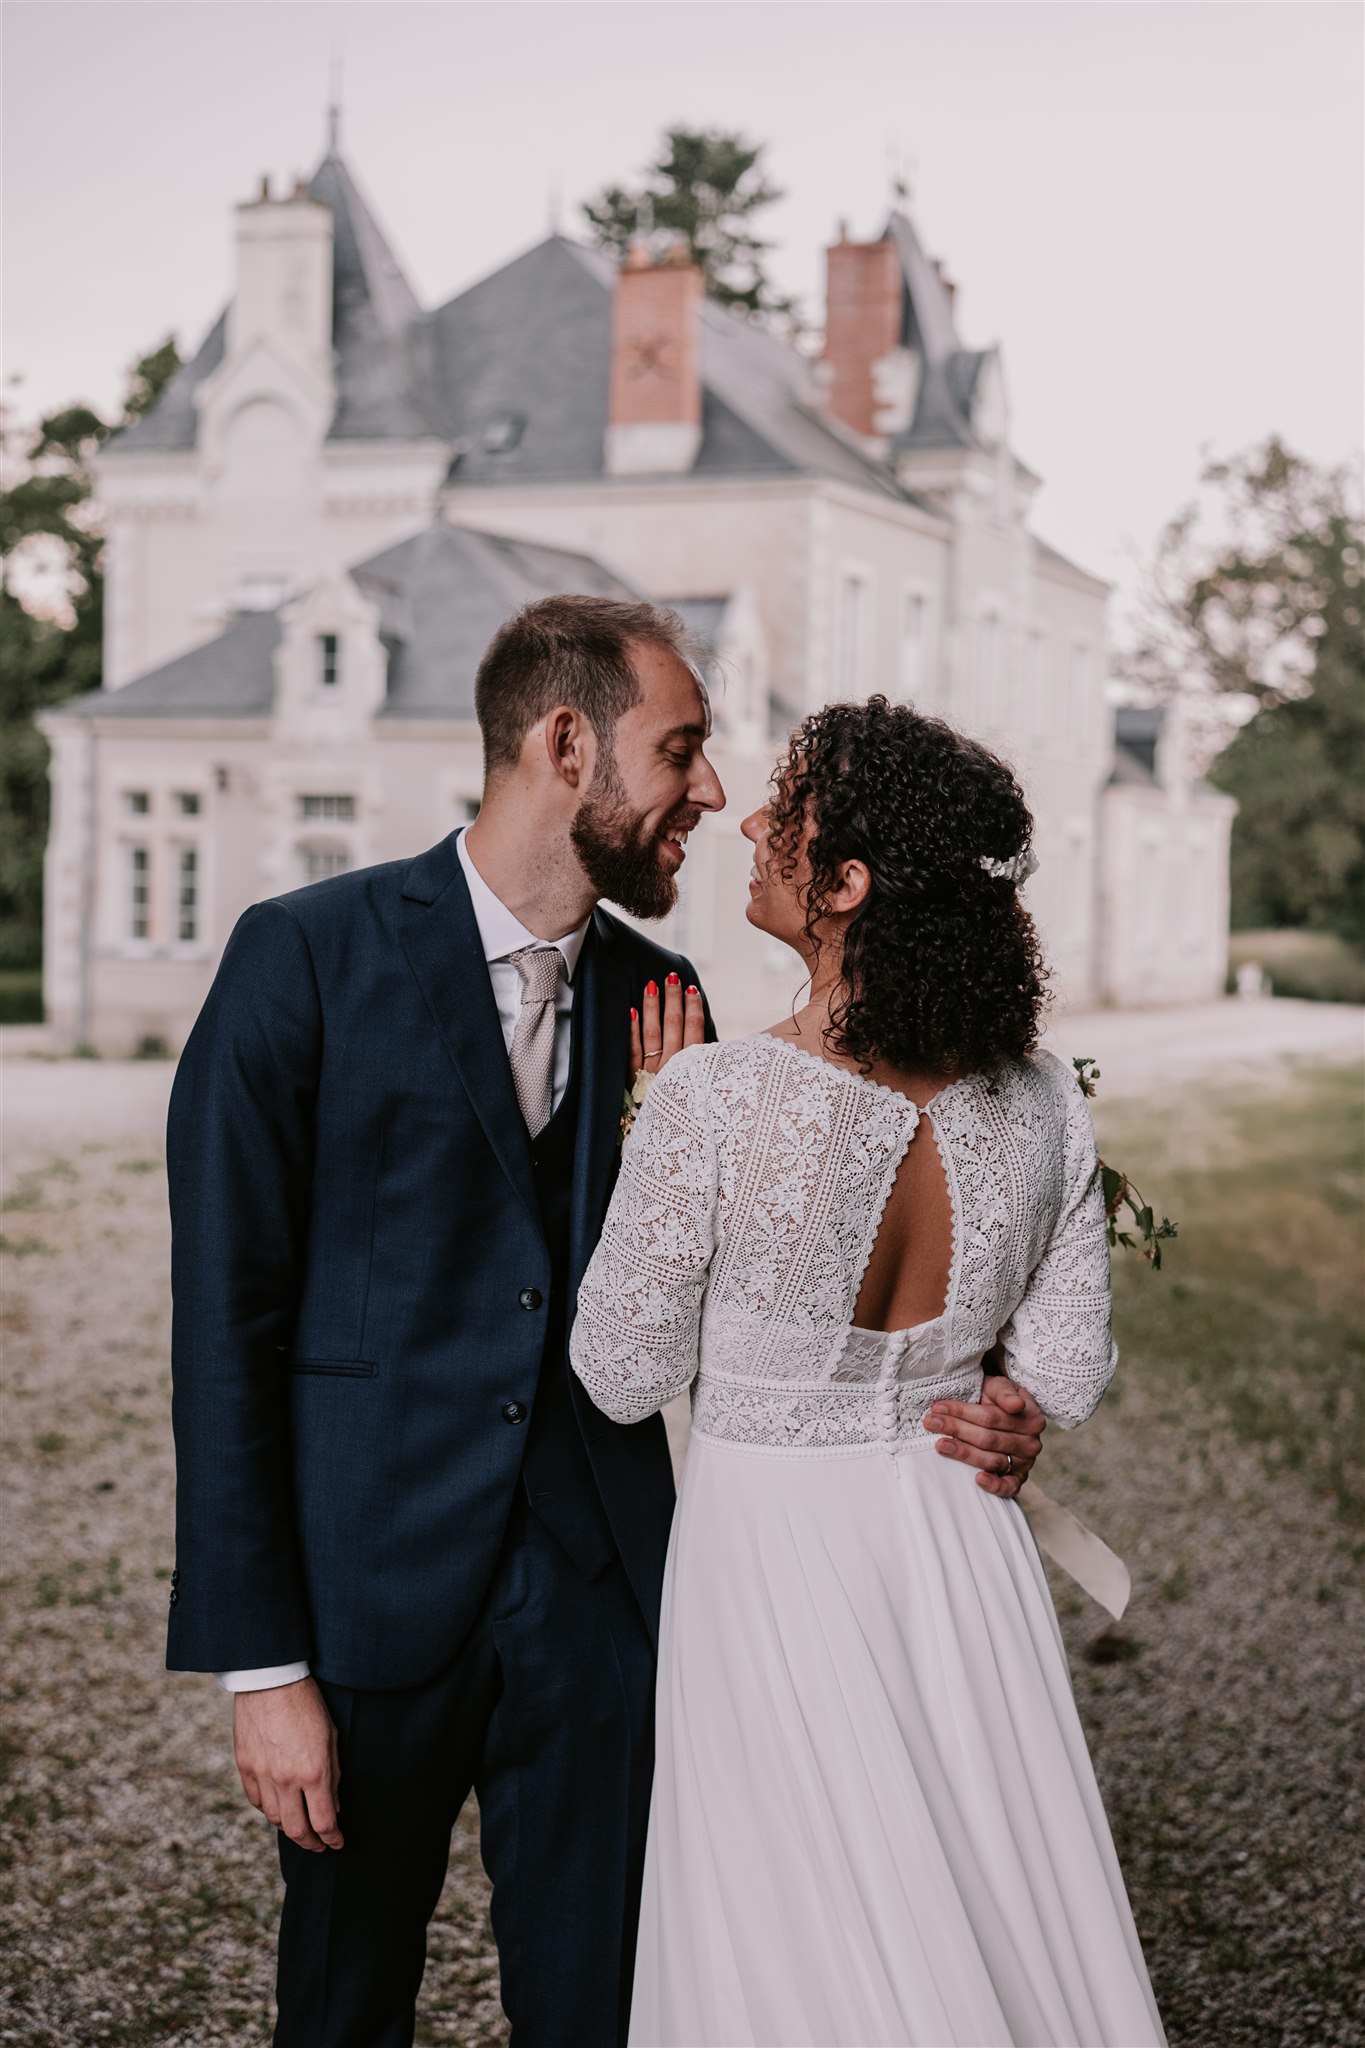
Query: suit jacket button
point(513, 1411)
point(530, 1297)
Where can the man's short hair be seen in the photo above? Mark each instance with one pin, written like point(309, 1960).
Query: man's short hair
point(566, 650)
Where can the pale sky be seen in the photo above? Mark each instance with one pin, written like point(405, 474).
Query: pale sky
point(1157, 207)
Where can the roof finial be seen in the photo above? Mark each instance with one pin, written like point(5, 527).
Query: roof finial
point(900, 165)
point(334, 103)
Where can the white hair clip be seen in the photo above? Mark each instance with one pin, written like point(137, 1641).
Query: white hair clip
point(1016, 870)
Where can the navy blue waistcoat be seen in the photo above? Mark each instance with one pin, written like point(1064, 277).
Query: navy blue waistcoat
point(357, 1240)
point(558, 1476)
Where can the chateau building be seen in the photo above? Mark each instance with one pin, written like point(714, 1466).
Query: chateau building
point(314, 532)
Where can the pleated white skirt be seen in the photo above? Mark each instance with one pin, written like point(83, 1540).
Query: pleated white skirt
point(874, 1820)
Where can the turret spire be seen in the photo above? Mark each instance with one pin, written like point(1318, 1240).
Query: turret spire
point(334, 104)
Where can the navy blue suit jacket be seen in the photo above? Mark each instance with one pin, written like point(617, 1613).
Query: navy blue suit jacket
point(354, 1229)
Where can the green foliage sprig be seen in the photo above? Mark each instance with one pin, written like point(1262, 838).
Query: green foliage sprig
point(1147, 1235)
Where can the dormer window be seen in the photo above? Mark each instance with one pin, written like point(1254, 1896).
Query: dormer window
point(329, 660)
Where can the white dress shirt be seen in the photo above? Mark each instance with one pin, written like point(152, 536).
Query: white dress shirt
point(501, 934)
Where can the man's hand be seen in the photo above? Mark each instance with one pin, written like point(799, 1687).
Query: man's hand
point(286, 1751)
point(1005, 1425)
point(663, 1026)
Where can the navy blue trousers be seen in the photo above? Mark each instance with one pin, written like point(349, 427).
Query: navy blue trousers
point(547, 1715)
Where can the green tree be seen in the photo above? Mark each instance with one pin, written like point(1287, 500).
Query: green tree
point(51, 625)
point(1272, 607)
point(1297, 770)
point(707, 185)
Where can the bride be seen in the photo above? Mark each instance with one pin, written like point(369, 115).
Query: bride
point(874, 1817)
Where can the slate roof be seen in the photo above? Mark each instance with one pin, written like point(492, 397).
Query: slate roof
point(949, 373)
point(172, 422)
point(373, 312)
point(1051, 557)
point(700, 615)
point(441, 596)
point(450, 589)
point(373, 308)
point(228, 677)
point(1137, 729)
point(514, 371)
point(517, 368)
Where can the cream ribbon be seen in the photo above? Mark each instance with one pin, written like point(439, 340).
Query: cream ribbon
point(1081, 1554)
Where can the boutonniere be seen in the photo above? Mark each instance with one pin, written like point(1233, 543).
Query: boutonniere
point(1121, 1193)
point(631, 1104)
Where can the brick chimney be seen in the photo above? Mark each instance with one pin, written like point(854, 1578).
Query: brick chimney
point(654, 405)
point(863, 296)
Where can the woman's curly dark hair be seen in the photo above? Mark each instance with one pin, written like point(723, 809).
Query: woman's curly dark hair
point(941, 964)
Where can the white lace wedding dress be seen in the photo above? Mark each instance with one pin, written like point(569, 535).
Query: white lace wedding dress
point(874, 1816)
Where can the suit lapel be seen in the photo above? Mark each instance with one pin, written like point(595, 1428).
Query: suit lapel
point(602, 1024)
point(440, 936)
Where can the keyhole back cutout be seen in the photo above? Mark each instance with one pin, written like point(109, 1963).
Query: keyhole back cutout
point(910, 1270)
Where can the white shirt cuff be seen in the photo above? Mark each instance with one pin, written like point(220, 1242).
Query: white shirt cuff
point(263, 1679)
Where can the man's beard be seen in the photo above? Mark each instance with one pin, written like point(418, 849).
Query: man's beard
point(619, 855)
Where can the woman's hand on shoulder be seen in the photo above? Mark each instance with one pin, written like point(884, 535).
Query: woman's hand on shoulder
point(665, 1022)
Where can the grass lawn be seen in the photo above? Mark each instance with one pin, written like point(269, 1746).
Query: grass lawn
point(1314, 965)
point(1260, 1307)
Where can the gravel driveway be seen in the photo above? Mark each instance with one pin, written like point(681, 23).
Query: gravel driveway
point(139, 1893)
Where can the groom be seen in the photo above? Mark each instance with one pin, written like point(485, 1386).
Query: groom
point(407, 1544)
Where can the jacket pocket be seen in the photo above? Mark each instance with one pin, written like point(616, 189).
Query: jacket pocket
point(337, 1368)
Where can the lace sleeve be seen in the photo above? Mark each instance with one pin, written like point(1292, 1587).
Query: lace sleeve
point(1058, 1343)
point(634, 1343)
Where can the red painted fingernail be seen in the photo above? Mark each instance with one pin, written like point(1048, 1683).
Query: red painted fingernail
point(692, 989)
point(651, 988)
point(634, 1014)
point(673, 981)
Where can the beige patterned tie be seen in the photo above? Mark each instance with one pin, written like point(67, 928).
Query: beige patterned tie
point(543, 972)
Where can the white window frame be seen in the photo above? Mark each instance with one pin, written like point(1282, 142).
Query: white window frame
point(990, 664)
point(137, 873)
point(1033, 677)
point(327, 806)
point(853, 629)
point(193, 942)
point(921, 597)
point(325, 849)
point(328, 650)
